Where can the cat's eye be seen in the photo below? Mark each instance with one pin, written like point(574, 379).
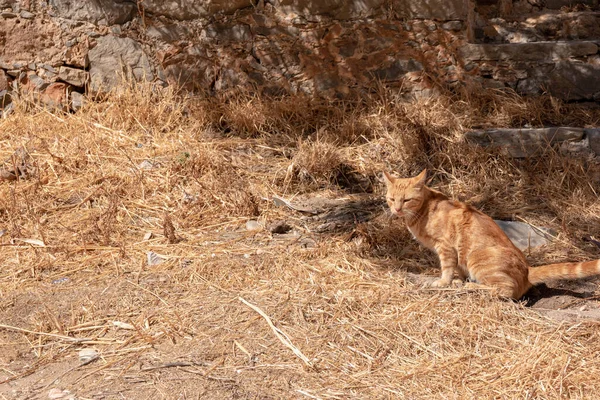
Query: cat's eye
point(391, 199)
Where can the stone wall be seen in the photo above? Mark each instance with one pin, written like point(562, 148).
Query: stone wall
point(58, 49)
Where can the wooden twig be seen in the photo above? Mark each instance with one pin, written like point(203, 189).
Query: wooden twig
point(279, 333)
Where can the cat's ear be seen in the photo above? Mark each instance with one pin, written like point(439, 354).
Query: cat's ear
point(421, 179)
point(387, 178)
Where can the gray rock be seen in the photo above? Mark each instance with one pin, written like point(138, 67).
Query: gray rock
point(570, 80)
point(95, 11)
point(539, 51)
point(34, 82)
point(593, 135)
point(153, 259)
point(26, 14)
point(253, 226)
point(442, 10)
point(116, 58)
point(522, 143)
point(77, 101)
point(452, 26)
point(74, 76)
point(192, 9)
point(524, 235)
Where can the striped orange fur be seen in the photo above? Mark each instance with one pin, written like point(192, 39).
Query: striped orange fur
point(470, 244)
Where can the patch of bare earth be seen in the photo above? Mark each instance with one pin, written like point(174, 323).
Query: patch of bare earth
point(154, 233)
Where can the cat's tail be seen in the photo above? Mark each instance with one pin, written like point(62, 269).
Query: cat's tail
point(551, 272)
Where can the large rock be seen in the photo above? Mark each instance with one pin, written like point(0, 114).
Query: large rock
point(574, 81)
point(104, 12)
point(520, 143)
point(192, 9)
point(523, 235)
point(539, 51)
point(115, 58)
point(443, 10)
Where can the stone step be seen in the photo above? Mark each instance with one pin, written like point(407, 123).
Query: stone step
point(561, 4)
point(567, 70)
point(545, 26)
point(536, 51)
point(529, 142)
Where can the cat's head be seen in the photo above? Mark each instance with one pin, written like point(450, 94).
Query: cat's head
point(405, 196)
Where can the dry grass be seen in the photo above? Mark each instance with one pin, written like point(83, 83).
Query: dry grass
point(151, 171)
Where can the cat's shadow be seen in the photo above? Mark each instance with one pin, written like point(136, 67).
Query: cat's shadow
point(542, 291)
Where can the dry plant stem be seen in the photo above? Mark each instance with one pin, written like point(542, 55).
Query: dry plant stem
point(279, 334)
point(62, 337)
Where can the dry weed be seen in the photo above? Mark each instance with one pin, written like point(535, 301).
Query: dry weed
point(150, 173)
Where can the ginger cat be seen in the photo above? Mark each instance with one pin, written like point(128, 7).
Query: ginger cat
point(469, 242)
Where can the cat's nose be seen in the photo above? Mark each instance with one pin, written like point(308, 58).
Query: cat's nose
point(398, 210)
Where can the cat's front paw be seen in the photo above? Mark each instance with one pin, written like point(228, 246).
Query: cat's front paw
point(439, 283)
point(457, 283)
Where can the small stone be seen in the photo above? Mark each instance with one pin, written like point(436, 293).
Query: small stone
point(469, 67)
point(452, 26)
point(56, 393)
point(431, 26)
point(26, 14)
point(77, 101)
point(147, 165)
point(7, 14)
point(253, 226)
point(153, 259)
point(58, 281)
point(87, 355)
point(74, 76)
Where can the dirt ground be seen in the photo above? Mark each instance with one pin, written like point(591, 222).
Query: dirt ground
point(149, 251)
